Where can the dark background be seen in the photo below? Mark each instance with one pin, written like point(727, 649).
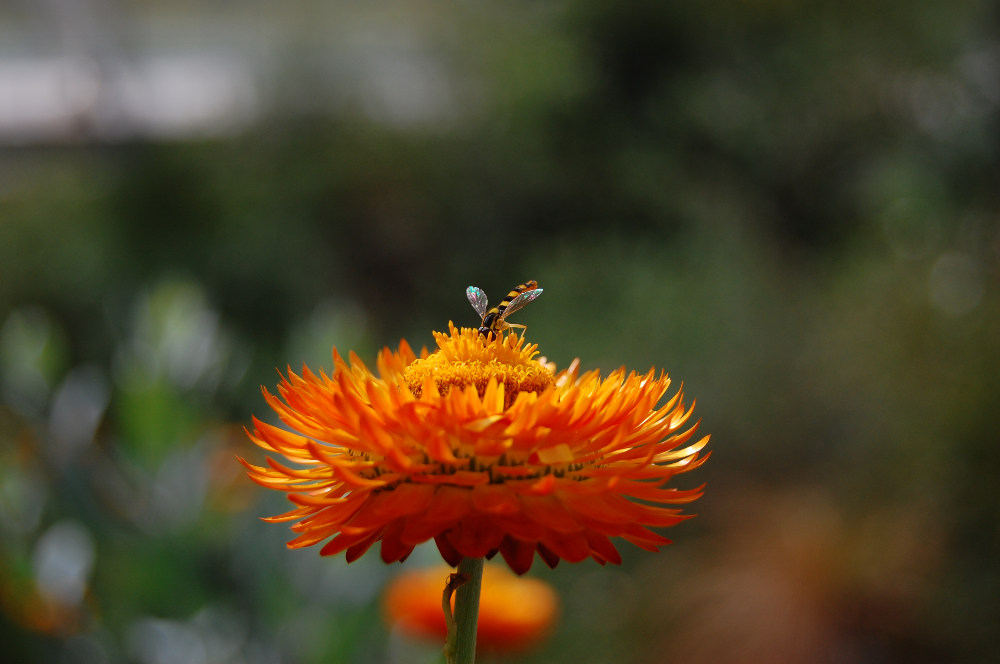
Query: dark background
point(791, 207)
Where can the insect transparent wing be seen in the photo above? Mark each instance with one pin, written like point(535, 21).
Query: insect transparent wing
point(519, 302)
point(477, 298)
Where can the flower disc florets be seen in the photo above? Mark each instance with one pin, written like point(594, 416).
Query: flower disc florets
point(482, 448)
point(464, 359)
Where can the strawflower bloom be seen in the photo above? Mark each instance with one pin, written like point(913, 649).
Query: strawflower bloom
point(515, 613)
point(482, 447)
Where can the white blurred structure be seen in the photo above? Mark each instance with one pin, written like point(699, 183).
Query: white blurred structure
point(61, 98)
point(85, 70)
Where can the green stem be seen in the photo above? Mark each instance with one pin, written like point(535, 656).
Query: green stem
point(461, 646)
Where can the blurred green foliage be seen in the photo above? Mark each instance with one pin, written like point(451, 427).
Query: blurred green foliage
point(791, 207)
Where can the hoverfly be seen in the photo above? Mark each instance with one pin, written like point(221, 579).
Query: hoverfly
point(495, 320)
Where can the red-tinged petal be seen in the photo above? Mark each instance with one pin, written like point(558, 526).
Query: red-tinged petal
point(329, 507)
point(475, 536)
point(450, 554)
point(448, 505)
point(688, 464)
point(417, 529)
point(608, 508)
point(359, 549)
point(325, 499)
point(376, 438)
point(522, 418)
point(661, 517)
point(652, 493)
point(569, 546)
point(487, 424)
point(378, 397)
point(297, 474)
point(279, 483)
point(602, 549)
point(344, 541)
point(543, 487)
point(293, 515)
point(492, 448)
point(644, 538)
point(462, 478)
point(311, 537)
point(403, 500)
point(546, 554)
point(495, 499)
point(394, 549)
point(384, 507)
point(277, 439)
point(335, 514)
point(550, 512)
point(345, 474)
point(519, 554)
point(506, 472)
point(437, 447)
point(520, 526)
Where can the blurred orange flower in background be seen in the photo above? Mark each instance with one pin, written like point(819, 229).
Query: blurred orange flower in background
point(811, 581)
point(481, 447)
point(515, 613)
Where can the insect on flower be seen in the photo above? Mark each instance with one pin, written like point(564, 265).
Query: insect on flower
point(495, 320)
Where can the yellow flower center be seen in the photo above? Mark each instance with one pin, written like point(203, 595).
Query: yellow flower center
point(465, 357)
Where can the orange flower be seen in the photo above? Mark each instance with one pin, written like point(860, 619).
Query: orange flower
point(480, 447)
point(514, 613)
